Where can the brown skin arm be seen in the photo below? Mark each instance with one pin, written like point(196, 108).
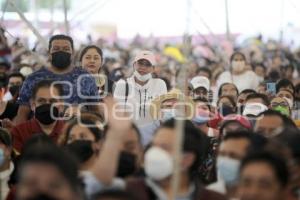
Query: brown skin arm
point(106, 165)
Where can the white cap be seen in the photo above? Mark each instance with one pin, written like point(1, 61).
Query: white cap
point(200, 81)
point(254, 109)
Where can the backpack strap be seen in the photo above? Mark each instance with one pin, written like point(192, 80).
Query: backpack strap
point(126, 91)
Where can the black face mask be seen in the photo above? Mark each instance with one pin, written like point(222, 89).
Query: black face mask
point(81, 149)
point(116, 74)
point(127, 164)
point(44, 114)
point(41, 196)
point(14, 90)
point(61, 59)
point(3, 79)
point(226, 110)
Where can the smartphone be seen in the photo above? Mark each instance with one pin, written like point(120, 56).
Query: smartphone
point(271, 88)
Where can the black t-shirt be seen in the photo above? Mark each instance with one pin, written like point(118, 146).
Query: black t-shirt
point(10, 111)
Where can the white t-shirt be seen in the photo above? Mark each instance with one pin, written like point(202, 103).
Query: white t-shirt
point(247, 80)
point(138, 103)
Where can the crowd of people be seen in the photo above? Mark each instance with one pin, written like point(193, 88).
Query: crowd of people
point(100, 122)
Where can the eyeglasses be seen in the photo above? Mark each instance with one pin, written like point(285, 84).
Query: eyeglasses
point(144, 62)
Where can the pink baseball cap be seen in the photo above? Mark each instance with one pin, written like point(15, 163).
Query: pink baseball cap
point(240, 119)
point(147, 55)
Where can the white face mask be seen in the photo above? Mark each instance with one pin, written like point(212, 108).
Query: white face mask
point(158, 164)
point(238, 66)
point(254, 109)
point(168, 114)
point(142, 78)
point(228, 169)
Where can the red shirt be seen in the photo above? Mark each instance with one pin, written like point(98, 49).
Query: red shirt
point(24, 131)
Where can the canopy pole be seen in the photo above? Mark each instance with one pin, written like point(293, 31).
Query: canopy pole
point(4, 11)
point(30, 26)
point(281, 29)
point(67, 29)
point(180, 123)
point(227, 21)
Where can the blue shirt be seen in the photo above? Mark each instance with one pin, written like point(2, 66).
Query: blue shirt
point(78, 86)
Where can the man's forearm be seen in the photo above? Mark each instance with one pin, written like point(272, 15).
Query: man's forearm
point(107, 163)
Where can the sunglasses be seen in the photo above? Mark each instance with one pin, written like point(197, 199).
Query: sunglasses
point(280, 104)
point(144, 62)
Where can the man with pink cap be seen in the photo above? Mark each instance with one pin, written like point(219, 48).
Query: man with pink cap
point(137, 92)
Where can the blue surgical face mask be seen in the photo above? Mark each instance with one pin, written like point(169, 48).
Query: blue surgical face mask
point(201, 118)
point(168, 114)
point(228, 170)
point(2, 158)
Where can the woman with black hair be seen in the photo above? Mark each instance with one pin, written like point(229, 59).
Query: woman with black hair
point(91, 59)
point(84, 137)
point(228, 89)
point(226, 105)
point(239, 74)
point(203, 114)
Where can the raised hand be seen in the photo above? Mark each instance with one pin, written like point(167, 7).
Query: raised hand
point(118, 120)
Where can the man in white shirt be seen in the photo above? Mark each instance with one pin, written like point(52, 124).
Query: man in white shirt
point(137, 92)
point(199, 87)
